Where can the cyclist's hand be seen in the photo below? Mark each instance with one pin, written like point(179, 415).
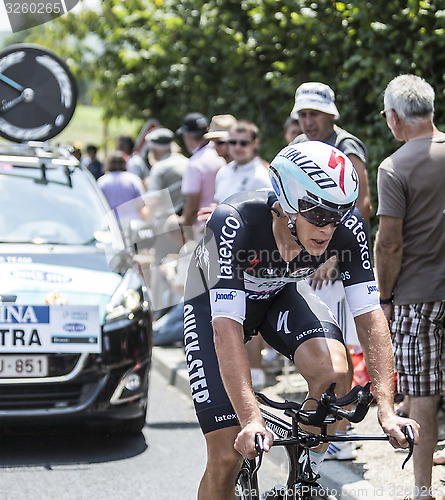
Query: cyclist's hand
point(245, 441)
point(393, 426)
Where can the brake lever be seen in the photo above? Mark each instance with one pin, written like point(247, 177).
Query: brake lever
point(409, 434)
point(259, 446)
point(259, 442)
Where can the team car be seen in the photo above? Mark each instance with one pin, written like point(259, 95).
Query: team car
point(75, 316)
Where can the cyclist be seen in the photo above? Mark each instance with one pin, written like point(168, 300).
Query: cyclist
point(248, 276)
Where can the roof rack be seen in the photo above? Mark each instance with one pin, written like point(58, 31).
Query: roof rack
point(32, 153)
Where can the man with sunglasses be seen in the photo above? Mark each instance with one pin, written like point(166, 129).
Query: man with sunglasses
point(246, 172)
point(219, 133)
point(247, 276)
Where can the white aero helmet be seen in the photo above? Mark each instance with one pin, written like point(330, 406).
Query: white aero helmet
point(316, 172)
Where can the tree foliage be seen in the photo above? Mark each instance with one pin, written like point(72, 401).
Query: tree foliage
point(164, 58)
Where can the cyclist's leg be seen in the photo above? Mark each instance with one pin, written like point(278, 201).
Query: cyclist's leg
point(301, 327)
point(213, 408)
point(223, 465)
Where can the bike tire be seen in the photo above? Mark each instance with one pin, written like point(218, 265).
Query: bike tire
point(246, 487)
point(277, 496)
point(322, 497)
point(318, 496)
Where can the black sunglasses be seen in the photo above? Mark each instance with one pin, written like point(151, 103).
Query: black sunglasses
point(219, 142)
point(242, 142)
point(319, 216)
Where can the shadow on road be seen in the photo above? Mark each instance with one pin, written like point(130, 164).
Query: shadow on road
point(173, 425)
point(62, 445)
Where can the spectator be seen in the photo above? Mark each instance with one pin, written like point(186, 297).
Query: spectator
point(246, 172)
point(169, 328)
point(167, 170)
point(409, 256)
point(198, 183)
point(317, 112)
point(219, 132)
point(164, 198)
point(292, 128)
point(122, 189)
point(91, 162)
point(135, 163)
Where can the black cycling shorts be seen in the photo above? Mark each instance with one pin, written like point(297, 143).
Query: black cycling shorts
point(285, 321)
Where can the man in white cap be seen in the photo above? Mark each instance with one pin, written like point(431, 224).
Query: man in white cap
point(163, 199)
point(316, 112)
point(168, 167)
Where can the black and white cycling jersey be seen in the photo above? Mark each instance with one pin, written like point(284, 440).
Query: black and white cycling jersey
point(237, 272)
point(238, 258)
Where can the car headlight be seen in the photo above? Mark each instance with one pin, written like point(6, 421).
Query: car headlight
point(126, 298)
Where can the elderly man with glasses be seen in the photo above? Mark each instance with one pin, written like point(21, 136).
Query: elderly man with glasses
point(409, 257)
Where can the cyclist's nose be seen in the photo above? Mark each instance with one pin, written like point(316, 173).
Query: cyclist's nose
point(328, 229)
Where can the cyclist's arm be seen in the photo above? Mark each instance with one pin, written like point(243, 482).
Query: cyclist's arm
point(235, 372)
point(234, 368)
point(375, 339)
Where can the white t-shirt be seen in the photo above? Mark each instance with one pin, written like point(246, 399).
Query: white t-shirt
point(233, 178)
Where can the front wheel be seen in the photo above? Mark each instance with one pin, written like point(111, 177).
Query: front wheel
point(246, 487)
point(322, 495)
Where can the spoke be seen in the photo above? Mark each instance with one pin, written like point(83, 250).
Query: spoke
point(7, 105)
point(11, 83)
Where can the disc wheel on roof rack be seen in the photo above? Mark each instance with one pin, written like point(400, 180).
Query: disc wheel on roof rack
point(38, 93)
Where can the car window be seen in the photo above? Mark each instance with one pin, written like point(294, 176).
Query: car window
point(58, 205)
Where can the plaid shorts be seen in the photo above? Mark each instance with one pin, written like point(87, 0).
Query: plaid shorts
point(419, 348)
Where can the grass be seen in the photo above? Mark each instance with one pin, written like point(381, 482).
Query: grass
point(87, 127)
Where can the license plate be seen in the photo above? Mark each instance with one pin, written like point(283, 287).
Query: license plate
point(23, 366)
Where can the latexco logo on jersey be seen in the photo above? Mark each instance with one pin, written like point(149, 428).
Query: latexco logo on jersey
point(21, 15)
point(356, 227)
point(226, 240)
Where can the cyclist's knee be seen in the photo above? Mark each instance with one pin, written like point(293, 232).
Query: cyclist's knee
point(322, 362)
point(222, 458)
point(321, 375)
point(319, 384)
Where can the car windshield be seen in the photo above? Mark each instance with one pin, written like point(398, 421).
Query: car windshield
point(54, 205)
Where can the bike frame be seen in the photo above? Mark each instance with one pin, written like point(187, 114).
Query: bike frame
point(302, 482)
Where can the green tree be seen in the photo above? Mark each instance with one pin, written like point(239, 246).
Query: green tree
point(164, 58)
